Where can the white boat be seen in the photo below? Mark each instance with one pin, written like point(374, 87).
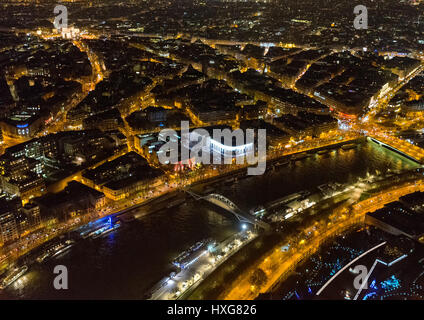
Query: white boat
point(104, 231)
point(13, 276)
point(63, 247)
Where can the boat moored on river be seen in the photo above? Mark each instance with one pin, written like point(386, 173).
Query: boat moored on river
point(13, 276)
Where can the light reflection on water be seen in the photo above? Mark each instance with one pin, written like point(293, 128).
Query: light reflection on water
point(131, 259)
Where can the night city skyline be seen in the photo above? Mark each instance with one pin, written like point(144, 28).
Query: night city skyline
point(212, 150)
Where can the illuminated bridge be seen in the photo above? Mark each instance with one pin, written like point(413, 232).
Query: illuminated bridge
point(226, 204)
point(400, 146)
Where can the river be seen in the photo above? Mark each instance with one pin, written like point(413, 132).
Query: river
point(127, 262)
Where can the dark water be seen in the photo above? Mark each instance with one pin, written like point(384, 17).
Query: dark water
point(126, 263)
point(341, 166)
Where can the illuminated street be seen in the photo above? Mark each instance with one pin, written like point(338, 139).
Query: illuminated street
point(219, 150)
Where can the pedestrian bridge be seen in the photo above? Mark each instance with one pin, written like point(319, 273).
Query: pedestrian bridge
point(226, 204)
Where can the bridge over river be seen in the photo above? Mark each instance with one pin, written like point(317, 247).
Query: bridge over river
point(226, 204)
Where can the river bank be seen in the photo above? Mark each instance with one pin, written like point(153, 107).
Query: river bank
point(130, 260)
